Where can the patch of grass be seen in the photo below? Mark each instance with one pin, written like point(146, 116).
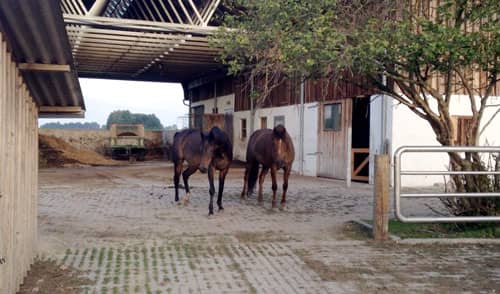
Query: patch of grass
point(66, 255)
point(258, 237)
point(443, 230)
point(84, 255)
point(93, 255)
point(100, 259)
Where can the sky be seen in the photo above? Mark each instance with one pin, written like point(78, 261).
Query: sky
point(104, 96)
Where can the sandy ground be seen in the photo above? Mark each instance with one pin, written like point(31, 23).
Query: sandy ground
point(121, 228)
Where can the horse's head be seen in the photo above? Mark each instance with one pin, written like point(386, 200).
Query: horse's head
point(279, 143)
point(211, 141)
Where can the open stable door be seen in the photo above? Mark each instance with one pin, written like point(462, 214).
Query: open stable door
point(334, 123)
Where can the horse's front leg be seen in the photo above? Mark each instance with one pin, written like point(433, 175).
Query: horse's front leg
point(286, 175)
point(185, 176)
point(262, 176)
point(211, 190)
point(177, 175)
point(274, 185)
point(222, 178)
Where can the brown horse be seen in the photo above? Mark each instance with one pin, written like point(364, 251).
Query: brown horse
point(204, 152)
point(273, 149)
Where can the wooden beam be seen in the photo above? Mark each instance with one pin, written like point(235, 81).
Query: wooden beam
point(142, 25)
point(44, 67)
point(61, 109)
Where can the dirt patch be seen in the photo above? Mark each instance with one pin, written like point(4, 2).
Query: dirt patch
point(46, 276)
point(55, 152)
point(354, 231)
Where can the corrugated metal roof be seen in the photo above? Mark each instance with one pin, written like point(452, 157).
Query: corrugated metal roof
point(35, 32)
point(149, 40)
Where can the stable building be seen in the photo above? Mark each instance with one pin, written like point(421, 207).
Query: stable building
point(337, 128)
point(44, 47)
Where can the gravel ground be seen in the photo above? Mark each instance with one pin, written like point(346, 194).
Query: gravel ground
point(121, 228)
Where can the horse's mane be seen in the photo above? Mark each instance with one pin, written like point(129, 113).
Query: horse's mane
point(219, 138)
point(279, 131)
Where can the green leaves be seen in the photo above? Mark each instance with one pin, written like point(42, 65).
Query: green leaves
point(314, 38)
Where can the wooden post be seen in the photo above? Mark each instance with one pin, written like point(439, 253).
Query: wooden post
point(381, 198)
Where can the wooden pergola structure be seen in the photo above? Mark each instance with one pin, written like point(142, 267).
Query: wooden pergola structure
point(149, 40)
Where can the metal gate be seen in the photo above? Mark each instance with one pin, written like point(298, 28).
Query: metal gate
point(442, 149)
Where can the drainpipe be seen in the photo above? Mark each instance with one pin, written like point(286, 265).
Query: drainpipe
point(252, 110)
point(384, 148)
point(188, 93)
point(301, 131)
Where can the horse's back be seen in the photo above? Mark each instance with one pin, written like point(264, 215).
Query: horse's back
point(187, 144)
point(260, 146)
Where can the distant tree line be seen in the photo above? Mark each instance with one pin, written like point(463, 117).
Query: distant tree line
point(150, 121)
point(71, 125)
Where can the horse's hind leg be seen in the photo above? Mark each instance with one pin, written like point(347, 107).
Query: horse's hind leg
point(185, 176)
point(274, 185)
point(245, 182)
point(222, 178)
point(286, 175)
point(211, 190)
point(262, 176)
point(177, 175)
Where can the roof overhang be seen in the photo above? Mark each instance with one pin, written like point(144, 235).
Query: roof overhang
point(36, 37)
point(148, 40)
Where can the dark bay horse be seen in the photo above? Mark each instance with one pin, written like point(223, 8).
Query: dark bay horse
point(203, 151)
point(273, 149)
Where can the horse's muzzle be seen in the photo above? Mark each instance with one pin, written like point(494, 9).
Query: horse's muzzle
point(203, 169)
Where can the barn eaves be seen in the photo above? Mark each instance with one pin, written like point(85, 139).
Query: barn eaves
point(36, 36)
point(148, 40)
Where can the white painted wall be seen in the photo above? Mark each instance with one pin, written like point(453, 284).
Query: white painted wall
point(409, 129)
point(380, 129)
point(292, 124)
point(225, 104)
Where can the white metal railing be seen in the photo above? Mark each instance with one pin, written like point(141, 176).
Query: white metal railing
point(434, 149)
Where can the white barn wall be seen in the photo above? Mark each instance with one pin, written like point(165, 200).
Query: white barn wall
point(409, 129)
point(380, 129)
point(292, 124)
point(225, 104)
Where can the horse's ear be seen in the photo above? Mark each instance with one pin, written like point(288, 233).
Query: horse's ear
point(279, 131)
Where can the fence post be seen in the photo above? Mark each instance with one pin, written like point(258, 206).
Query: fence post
point(381, 198)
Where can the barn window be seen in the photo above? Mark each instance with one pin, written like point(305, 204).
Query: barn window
point(263, 122)
point(332, 117)
point(279, 120)
point(243, 128)
point(463, 124)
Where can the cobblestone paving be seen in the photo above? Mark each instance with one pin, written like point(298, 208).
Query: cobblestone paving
point(121, 228)
point(194, 267)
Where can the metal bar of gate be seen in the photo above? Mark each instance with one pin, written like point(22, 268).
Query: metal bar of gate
point(433, 149)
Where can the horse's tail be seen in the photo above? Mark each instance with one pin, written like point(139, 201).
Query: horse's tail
point(253, 174)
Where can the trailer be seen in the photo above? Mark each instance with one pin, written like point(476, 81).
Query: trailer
point(127, 142)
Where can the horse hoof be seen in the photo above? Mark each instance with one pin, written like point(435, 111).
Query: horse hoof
point(221, 209)
point(283, 207)
point(210, 214)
